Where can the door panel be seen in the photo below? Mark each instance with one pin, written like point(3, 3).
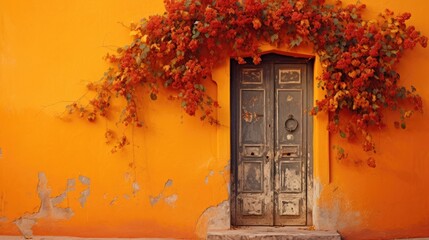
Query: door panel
point(254, 184)
point(269, 143)
point(290, 162)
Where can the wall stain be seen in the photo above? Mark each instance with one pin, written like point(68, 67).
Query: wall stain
point(170, 200)
point(48, 207)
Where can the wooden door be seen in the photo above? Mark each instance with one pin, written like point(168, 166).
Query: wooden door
point(270, 141)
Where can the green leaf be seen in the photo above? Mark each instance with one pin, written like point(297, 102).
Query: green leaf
point(200, 87)
point(403, 125)
point(183, 104)
point(187, 3)
point(129, 97)
point(343, 134)
point(196, 35)
point(354, 16)
point(145, 50)
point(168, 82)
point(274, 37)
point(296, 42)
point(388, 53)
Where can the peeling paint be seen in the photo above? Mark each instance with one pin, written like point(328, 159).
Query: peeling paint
point(86, 192)
point(113, 201)
point(335, 214)
point(127, 197)
point(155, 199)
point(85, 180)
point(333, 217)
point(169, 183)
point(84, 196)
point(71, 184)
point(136, 187)
point(171, 200)
point(213, 218)
point(48, 208)
point(25, 226)
point(211, 173)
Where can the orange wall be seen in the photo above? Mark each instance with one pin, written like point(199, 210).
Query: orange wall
point(391, 200)
point(49, 50)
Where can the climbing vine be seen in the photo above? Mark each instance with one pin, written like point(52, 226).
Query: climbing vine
point(179, 49)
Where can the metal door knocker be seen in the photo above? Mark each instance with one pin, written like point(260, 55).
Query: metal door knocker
point(291, 124)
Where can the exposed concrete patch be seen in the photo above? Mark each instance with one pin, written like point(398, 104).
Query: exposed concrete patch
point(334, 213)
point(84, 197)
point(169, 183)
point(48, 208)
point(332, 217)
point(213, 218)
point(211, 173)
point(171, 200)
point(85, 193)
point(85, 180)
point(71, 184)
point(3, 219)
point(154, 200)
point(25, 226)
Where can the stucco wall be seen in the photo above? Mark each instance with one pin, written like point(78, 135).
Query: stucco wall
point(58, 177)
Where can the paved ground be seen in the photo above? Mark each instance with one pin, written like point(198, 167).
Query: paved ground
point(273, 233)
point(76, 238)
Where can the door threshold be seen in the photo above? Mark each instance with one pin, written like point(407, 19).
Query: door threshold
point(273, 233)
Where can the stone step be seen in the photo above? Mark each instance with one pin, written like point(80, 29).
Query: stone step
point(272, 233)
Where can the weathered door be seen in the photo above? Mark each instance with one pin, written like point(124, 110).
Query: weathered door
point(270, 141)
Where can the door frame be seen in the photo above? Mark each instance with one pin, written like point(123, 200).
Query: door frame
point(281, 59)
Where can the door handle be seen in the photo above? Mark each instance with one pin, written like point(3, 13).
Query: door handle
point(291, 124)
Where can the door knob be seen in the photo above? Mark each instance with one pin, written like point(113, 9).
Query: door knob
point(291, 124)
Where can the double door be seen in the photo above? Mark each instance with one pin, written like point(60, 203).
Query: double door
point(270, 141)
